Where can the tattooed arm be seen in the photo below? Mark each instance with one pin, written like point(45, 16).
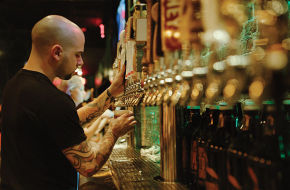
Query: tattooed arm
point(87, 157)
point(94, 108)
point(102, 102)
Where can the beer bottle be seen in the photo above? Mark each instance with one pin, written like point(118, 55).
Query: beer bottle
point(212, 177)
point(226, 131)
point(195, 124)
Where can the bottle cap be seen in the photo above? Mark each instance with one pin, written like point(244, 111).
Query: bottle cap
point(286, 102)
point(268, 102)
point(224, 106)
point(193, 107)
point(250, 105)
point(212, 107)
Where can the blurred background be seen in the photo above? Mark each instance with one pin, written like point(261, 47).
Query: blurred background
point(97, 18)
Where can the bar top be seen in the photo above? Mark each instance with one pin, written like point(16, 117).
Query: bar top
point(131, 171)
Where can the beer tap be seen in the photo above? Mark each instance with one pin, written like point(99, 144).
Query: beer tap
point(139, 93)
point(183, 82)
point(215, 79)
point(199, 84)
point(146, 90)
point(190, 29)
point(169, 86)
point(155, 90)
point(161, 88)
point(186, 86)
point(236, 75)
point(178, 89)
point(151, 90)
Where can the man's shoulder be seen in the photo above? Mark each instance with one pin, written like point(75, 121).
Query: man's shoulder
point(29, 86)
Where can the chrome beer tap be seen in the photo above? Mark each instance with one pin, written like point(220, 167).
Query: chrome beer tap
point(161, 88)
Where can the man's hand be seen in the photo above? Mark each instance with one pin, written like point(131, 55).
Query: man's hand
point(121, 125)
point(118, 113)
point(117, 86)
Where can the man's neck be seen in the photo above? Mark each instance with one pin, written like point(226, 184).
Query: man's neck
point(36, 64)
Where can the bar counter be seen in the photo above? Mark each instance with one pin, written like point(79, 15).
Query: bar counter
point(127, 170)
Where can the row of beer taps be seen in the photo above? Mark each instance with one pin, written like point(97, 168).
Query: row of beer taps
point(230, 55)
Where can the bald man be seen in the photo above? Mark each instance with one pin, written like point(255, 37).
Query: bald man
point(43, 143)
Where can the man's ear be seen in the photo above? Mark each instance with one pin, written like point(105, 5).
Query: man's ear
point(56, 52)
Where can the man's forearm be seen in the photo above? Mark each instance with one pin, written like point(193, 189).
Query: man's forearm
point(94, 108)
point(89, 157)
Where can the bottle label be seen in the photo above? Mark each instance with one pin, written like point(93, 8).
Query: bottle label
point(193, 156)
point(202, 160)
point(211, 186)
point(234, 182)
point(254, 178)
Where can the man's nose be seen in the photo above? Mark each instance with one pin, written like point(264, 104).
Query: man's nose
point(80, 62)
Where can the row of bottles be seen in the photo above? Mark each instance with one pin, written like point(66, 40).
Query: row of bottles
point(230, 147)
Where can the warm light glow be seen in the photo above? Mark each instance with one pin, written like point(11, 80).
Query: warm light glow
point(79, 71)
point(176, 34)
point(200, 70)
point(196, 92)
point(259, 53)
point(168, 33)
point(256, 89)
point(286, 44)
point(178, 77)
point(168, 80)
point(266, 17)
point(221, 36)
point(95, 21)
point(231, 88)
point(102, 30)
point(98, 81)
point(276, 59)
point(219, 66)
point(170, 92)
point(84, 29)
point(238, 60)
point(212, 90)
point(279, 7)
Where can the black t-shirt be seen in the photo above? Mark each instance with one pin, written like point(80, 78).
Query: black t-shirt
point(39, 121)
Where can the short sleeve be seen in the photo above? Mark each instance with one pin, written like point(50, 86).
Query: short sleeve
point(61, 122)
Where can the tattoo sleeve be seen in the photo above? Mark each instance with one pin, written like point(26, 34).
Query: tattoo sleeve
point(88, 157)
point(94, 108)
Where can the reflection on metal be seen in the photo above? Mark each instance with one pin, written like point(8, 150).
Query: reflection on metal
point(168, 144)
point(131, 172)
point(134, 93)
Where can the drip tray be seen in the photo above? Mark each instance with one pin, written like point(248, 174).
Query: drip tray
point(131, 171)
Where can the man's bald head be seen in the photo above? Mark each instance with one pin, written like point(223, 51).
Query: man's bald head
point(53, 29)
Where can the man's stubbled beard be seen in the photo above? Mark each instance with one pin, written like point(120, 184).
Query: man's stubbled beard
point(67, 77)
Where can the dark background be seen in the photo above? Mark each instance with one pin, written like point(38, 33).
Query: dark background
point(17, 18)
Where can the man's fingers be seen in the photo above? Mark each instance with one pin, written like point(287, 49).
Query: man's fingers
point(118, 113)
point(123, 69)
point(132, 118)
point(132, 123)
point(128, 114)
point(122, 72)
point(109, 120)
